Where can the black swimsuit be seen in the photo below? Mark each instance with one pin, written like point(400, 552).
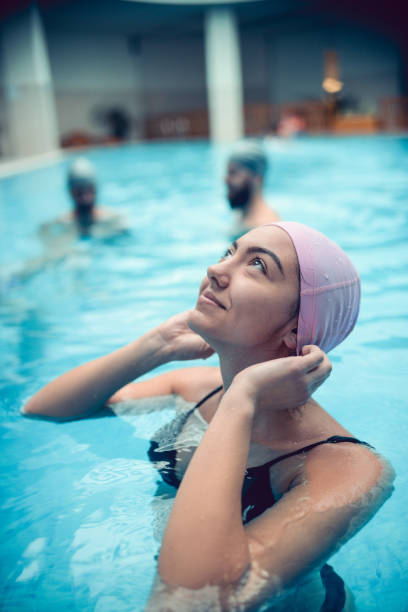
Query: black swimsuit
point(257, 495)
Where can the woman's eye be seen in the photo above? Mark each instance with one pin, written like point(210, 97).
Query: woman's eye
point(228, 253)
point(257, 261)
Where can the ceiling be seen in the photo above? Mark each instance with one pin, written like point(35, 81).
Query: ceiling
point(149, 16)
point(154, 16)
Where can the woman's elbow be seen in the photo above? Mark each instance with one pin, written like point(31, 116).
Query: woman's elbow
point(32, 408)
point(36, 407)
point(246, 592)
point(28, 408)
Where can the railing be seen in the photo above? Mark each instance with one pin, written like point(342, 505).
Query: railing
point(265, 118)
point(182, 125)
point(262, 118)
point(394, 113)
point(83, 117)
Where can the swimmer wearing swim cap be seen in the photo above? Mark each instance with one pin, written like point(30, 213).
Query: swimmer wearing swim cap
point(246, 169)
point(268, 483)
point(81, 183)
point(87, 218)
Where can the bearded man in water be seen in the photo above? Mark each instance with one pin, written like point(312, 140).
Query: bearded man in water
point(246, 169)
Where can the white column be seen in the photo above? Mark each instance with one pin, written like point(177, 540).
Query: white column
point(27, 84)
point(224, 77)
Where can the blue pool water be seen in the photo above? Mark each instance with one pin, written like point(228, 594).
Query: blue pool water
point(76, 507)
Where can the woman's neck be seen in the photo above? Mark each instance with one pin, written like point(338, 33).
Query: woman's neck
point(237, 359)
point(269, 424)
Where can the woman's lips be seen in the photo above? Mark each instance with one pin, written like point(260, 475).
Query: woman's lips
point(209, 298)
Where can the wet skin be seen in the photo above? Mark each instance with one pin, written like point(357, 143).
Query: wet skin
point(247, 298)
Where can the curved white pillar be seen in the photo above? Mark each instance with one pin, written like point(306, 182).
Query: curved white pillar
point(27, 83)
point(224, 77)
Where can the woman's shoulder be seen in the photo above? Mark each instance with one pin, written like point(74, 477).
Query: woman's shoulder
point(347, 462)
point(347, 473)
point(192, 384)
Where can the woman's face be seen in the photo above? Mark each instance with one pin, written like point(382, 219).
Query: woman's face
point(249, 297)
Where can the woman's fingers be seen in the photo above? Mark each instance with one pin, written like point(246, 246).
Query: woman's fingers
point(317, 367)
point(312, 357)
point(315, 383)
point(316, 378)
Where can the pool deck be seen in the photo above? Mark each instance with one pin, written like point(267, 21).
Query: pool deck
point(14, 166)
point(25, 164)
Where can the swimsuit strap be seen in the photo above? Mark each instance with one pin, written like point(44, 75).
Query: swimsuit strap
point(168, 472)
point(205, 398)
point(198, 404)
point(331, 440)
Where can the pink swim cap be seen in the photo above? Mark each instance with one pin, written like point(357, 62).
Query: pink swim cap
point(329, 288)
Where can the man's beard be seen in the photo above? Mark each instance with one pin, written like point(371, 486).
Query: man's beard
point(84, 215)
point(240, 198)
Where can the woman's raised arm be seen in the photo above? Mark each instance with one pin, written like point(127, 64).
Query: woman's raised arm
point(206, 542)
point(87, 388)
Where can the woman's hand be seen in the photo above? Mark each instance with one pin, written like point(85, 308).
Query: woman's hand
point(287, 382)
point(180, 342)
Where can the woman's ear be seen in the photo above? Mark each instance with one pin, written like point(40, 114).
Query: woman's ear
point(290, 339)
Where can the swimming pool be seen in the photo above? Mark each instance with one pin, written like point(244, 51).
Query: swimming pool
point(76, 508)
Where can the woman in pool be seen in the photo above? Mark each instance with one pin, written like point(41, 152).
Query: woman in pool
point(275, 485)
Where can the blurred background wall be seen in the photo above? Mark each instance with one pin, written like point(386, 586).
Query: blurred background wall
point(77, 73)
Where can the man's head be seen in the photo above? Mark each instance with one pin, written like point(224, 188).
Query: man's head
point(246, 168)
point(82, 185)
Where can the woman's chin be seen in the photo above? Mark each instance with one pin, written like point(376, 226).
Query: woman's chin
point(200, 323)
point(195, 320)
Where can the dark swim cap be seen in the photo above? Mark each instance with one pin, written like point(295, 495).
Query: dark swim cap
point(250, 154)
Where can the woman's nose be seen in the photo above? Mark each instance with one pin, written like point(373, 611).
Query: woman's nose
point(218, 273)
